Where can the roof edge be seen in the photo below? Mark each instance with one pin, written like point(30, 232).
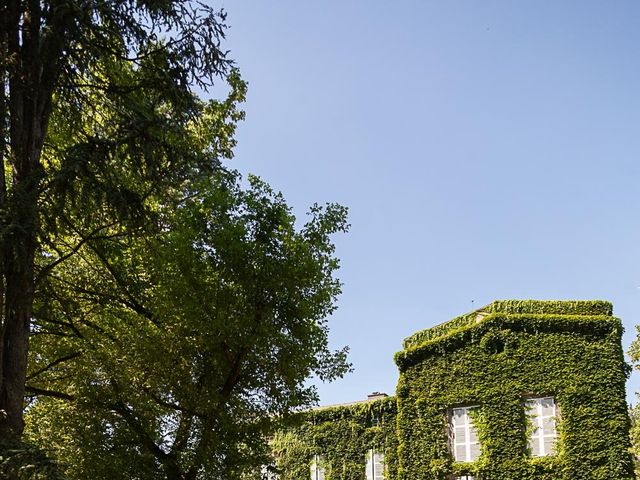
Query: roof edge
point(552, 307)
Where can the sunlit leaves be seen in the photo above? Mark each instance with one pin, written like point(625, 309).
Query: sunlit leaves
point(196, 340)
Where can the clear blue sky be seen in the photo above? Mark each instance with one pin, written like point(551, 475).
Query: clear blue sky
point(486, 150)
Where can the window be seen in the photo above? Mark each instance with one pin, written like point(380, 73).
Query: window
point(464, 477)
point(463, 435)
point(374, 465)
point(317, 467)
point(541, 413)
point(267, 474)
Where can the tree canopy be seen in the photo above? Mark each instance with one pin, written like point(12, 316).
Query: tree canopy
point(174, 355)
point(171, 313)
point(58, 59)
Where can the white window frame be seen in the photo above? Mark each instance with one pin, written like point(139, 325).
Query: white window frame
point(317, 468)
point(468, 428)
point(533, 406)
point(374, 457)
point(265, 474)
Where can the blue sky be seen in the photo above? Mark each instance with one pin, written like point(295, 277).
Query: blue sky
point(486, 150)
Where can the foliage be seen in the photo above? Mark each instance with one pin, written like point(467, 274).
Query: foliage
point(568, 350)
point(634, 414)
point(96, 104)
point(497, 361)
point(581, 307)
point(174, 316)
point(342, 435)
point(22, 461)
point(174, 354)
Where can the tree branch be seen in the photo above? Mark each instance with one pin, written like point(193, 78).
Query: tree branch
point(130, 300)
point(48, 393)
point(74, 249)
point(53, 364)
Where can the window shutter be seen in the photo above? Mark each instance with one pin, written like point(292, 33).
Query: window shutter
point(369, 466)
point(378, 463)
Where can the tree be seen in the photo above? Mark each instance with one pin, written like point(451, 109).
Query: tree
point(634, 413)
point(56, 58)
point(174, 355)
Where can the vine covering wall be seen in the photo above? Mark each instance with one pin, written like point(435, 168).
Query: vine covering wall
point(342, 436)
point(494, 358)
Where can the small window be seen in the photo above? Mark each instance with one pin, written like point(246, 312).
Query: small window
point(541, 413)
point(463, 435)
point(317, 467)
point(374, 465)
point(267, 474)
point(464, 477)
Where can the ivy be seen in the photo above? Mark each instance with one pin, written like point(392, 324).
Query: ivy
point(569, 350)
point(580, 307)
point(342, 436)
point(494, 358)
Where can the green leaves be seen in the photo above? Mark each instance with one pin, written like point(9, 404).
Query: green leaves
point(23, 461)
point(497, 361)
point(342, 435)
point(570, 351)
point(195, 340)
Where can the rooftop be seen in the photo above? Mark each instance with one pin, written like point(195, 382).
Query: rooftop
point(557, 307)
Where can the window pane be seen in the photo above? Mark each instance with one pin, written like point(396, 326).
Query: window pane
point(548, 406)
point(549, 426)
point(535, 447)
point(368, 469)
point(459, 416)
point(473, 440)
point(374, 467)
point(475, 451)
point(317, 468)
point(461, 453)
point(549, 445)
point(463, 435)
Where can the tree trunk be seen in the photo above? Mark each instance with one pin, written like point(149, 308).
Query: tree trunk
point(30, 79)
point(4, 117)
point(15, 342)
point(20, 248)
point(27, 139)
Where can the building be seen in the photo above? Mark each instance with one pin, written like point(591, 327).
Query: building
point(517, 390)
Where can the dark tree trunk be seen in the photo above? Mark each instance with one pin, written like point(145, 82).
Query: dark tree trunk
point(19, 255)
point(27, 109)
point(4, 117)
point(22, 213)
point(15, 342)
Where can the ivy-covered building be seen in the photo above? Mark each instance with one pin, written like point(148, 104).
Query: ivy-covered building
point(517, 390)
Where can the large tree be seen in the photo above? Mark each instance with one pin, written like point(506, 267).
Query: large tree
point(58, 58)
point(174, 355)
